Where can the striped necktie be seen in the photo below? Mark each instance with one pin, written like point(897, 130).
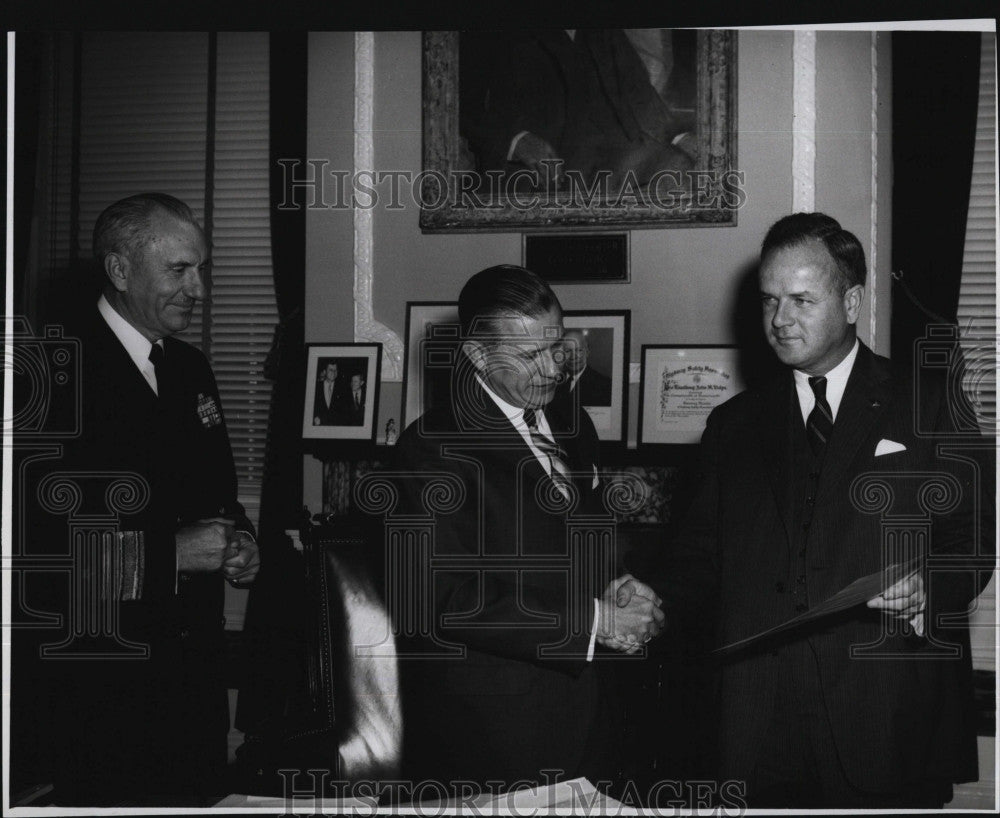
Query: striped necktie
point(558, 470)
point(819, 425)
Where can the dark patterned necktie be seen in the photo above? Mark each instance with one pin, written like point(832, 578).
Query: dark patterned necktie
point(819, 425)
point(558, 470)
point(156, 357)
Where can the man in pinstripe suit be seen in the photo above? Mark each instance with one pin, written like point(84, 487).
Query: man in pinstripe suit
point(870, 707)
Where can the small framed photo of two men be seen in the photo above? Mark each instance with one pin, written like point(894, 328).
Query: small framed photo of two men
point(341, 401)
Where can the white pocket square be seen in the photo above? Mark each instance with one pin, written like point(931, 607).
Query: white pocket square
point(886, 446)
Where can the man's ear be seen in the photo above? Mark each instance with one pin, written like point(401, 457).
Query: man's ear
point(852, 302)
point(116, 267)
point(475, 351)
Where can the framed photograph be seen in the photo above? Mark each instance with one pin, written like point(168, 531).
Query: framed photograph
point(433, 337)
point(549, 128)
point(680, 386)
point(595, 362)
point(342, 386)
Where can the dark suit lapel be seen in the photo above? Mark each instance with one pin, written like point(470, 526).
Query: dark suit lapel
point(779, 414)
point(115, 366)
point(865, 400)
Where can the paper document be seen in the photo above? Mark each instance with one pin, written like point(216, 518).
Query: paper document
point(300, 805)
point(857, 593)
point(578, 796)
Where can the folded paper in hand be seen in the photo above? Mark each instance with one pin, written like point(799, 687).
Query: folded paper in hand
point(857, 593)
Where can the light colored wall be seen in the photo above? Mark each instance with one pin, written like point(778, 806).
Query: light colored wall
point(329, 232)
point(682, 280)
point(844, 155)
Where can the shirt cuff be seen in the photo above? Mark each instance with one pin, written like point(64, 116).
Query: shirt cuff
point(593, 630)
point(513, 144)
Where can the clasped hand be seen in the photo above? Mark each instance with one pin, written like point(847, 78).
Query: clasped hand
point(630, 615)
point(214, 544)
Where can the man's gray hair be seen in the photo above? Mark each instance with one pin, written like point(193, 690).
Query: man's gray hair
point(124, 226)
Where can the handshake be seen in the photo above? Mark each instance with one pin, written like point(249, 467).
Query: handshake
point(630, 615)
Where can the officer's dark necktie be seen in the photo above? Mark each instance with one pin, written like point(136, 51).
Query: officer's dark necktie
point(156, 357)
point(819, 425)
point(558, 470)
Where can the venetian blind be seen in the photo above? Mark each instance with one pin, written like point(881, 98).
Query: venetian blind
point(977, 313)
point(244, 312)
point(144, 125)
point(143, 103)
point(977, 296)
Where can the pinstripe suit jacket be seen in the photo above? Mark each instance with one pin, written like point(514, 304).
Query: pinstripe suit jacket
point(896, 717)
point(489, 700)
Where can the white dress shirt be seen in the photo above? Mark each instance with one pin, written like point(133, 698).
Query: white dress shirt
point(836, 383)
point(136, 344)
point(516, 416)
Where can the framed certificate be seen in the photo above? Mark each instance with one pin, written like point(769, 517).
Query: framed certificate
point(680, 386)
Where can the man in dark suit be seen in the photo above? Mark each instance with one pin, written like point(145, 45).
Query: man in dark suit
point(353, 402)
point(328, 405)
point(808, 483)
point(593, 388)
point(498, 677)
point(138, 701)
point(580, 96)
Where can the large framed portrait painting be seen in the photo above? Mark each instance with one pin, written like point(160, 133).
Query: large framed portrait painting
point(553, 128)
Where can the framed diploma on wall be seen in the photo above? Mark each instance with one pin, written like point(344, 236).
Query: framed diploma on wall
point(680, 386)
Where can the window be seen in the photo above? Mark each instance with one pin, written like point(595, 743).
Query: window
point(186, 113)
point(977, 311)
point(977, 296)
